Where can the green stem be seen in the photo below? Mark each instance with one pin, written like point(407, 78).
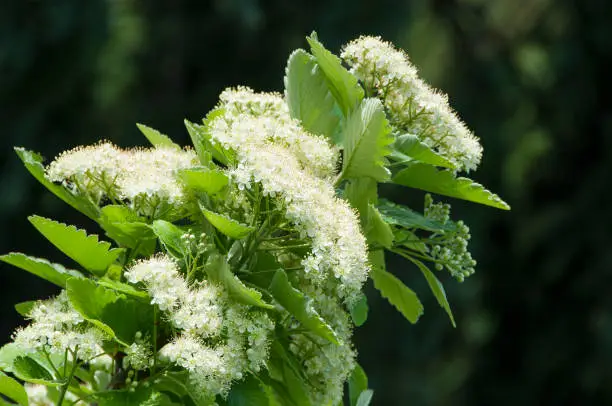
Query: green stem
point(65, 386)
point(154, 367)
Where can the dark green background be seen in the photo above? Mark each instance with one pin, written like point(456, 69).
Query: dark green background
point(534, 323)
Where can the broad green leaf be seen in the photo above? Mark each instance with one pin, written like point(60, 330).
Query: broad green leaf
point(367, 137)
point(360, 193)
point(54, 273)
point(359, 311)
point(201, 138)
point(308, 95)
point(123, 225)
point(111, 311)
point(178, 384)
point(300, 307)
point(24, 308)
point(377, 231)
point(33, 163)
point(398, 294)
point(13, 390)
point(209, 181)
point(170, 236)
point(86, 250)
point(342, 84)
point(11, 351)
point(285, 371)
point(200, 141)
point(27, 369)
point(218, 270)
point(377, 259)
point(142, 396)
point(412, 147)
point(399, 215)
point(249, 392)
point(156, 138)
point(408, 239)
point(444, 182)
point(436, 287)
point(226, 225)
point(365, 398)
point(358, 382)
point(124, 288)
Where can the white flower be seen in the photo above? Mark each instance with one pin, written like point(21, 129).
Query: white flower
point(56, 326)
point(146, 178)
point(327, 365)
point(199, 311)
point(412, 105)
point(161, 277)
point(338, 247)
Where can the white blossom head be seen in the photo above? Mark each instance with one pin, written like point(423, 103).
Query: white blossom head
point(413, 106)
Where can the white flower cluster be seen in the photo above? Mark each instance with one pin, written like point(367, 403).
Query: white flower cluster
point(196, 311)
point(144, 177)
point(57, 327)
point(276, 127)
point(326, 364)
point(219, 340)
point(452, 252)
point(338, 246)
point(413, 106)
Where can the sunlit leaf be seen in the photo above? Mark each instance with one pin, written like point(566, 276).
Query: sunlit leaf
point(86, 250)
point(444, 182)
point(54, 273)
point(300, 307)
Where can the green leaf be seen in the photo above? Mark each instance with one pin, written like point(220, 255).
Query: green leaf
point(124, 226)
point(308, 95)
point(86, 250)
point(428, 178)
point(178, 384)
point(209, 181)
point(54, 273)
point(141, 396)
point(436, 287)
point(156, 138)
point(33, 163)
point(202, 141)
point(367, 137)
point(285, 371)
point(13, 390)
point(377, 231)
point(124, 288)
point(358, 382)
point(412, 147)
point(170, 236)
point(398, 294)
point(360, 193)
point(365, 398)
point(27, 369)
point(226, 225)
point(24, 308)
point(399, 215)
point(342, 84)
point(359, 311)
point(218, 270)
point(113, 312)
point(11, 351)
point(248, 392)
point(300, 307)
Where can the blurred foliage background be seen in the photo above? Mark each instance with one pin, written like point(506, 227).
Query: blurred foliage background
point(534, 323)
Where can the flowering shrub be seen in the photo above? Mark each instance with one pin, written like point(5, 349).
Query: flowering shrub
point(236, 268)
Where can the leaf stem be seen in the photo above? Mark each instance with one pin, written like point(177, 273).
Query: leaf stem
point(66, 384)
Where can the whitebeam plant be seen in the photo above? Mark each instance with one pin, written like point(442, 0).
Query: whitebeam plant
point(236, 268)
